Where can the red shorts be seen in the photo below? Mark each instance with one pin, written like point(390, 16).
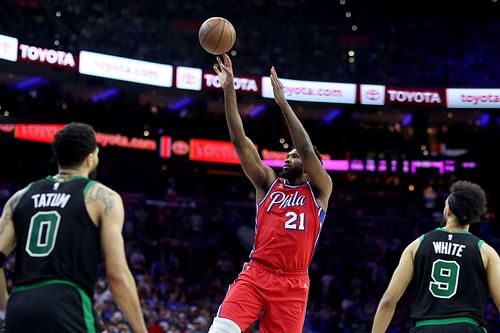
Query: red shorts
point(277, 298)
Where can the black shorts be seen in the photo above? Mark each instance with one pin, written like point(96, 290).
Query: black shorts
point(52, 306)
point(449, 328)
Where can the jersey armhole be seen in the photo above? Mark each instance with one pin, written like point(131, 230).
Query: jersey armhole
point(480, 244)
point(268, 191)
point(21, 195)
point(88, 187)
point(421, 239)
point(26, 189)
point(419, 245)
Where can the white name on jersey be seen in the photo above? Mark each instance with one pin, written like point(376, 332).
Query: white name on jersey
point(284, 200)
point(50, 199)
point(449, 248)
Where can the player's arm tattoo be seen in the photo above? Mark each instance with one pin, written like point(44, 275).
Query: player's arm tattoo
point(105, 196)
point(5, 218)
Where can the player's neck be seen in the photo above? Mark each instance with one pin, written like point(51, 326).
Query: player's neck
point(67, 173)
point(453, 226)
point(297, 181)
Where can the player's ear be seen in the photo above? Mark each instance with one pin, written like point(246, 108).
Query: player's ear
point(89, 160)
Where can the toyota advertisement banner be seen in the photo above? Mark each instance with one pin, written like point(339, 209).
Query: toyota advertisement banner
point(313, 91)
point(473, 98)
point(138, 71)
point(196, 79)
point(415, 96)
point(213, 151)
point(8, 48)
point(243, 84)
point(44, 56)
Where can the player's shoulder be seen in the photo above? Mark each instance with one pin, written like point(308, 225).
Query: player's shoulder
point(415, 244)
point(486, 248)
point(412, 248)
point(16, 197)
point(489, 254)
point(96, 190)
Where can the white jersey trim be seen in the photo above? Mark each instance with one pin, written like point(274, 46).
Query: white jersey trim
point(267, 193)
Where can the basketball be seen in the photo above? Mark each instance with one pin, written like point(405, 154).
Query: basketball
point(217, 35)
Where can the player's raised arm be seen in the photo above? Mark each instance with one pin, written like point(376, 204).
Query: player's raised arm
point(303, 144)
point(259, 174)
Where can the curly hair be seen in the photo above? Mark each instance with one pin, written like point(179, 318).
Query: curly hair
point(467, 201)
point(73, 143)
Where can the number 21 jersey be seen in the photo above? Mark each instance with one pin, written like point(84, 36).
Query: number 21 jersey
point(287, 227)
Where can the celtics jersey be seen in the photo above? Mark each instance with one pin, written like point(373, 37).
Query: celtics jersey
point(56, 238)
point(450, 277)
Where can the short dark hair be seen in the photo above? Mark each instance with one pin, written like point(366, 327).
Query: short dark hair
point(73, 143)
point(467, 201)
point(316, 151)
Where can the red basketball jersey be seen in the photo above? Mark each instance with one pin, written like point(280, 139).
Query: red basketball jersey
point(288, 224)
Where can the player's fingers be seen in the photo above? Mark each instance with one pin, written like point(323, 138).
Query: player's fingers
point(227, 60)
point(222, 66)
point(278, 82)
point(273, 80)
point(216, 69)
point(273, 70)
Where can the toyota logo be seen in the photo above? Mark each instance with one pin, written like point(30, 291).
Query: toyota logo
point(189, 78)
point(180, 147)
point(372, 94)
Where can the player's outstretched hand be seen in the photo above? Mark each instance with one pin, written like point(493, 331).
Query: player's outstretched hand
point(225, 71)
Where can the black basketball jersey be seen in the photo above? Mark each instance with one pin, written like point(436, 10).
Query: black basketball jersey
point(450, 277)
point(56, 238)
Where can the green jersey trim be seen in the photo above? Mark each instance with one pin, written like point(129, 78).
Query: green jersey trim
point(53, 179)
point(480, 243)
point(454, 232)
point(421, 238)
point(447, 321)
point(26, 189)
point(88, 186)
point(88, 315)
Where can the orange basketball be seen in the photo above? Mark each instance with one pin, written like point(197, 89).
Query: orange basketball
point(217, 35)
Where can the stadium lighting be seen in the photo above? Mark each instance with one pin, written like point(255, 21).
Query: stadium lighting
point(31, 83)
point(181, 104)
point(257, 111)
point(105, 95)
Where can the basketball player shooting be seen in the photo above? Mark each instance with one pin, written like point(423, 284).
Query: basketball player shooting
point(274, 284)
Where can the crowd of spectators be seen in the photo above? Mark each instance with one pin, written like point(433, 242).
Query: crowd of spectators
point(187, 243)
